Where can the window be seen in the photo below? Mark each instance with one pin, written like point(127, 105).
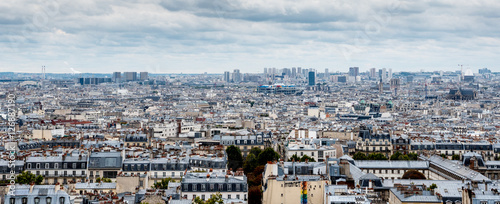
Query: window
point(203, 197)
point(29, 165)
point(56, 165)
point(48, 200)
point(83, 165)
point(65, 165)
point(61, 200)
point(74, 165)
point(37, 165)
point(24, 200)
point(47, 165)
point(12, 201)
point(229, 196)
point(37, 200)
point(237, 196)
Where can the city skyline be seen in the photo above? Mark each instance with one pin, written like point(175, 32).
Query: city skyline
point(215, 36)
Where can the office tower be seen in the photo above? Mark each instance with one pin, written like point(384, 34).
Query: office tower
point(265, 71)
point(130, 76)
point(236, 75)
point(294, 72)
point(117, 76)
point(227, 76)
point(384, 74)
point(143, 76)
point(312, 78)
point(353, 71)
point(373, 73)
point(389, 76)
point(299, 70)
point(327, 75)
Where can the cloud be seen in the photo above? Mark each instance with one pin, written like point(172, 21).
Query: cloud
point(217, 35)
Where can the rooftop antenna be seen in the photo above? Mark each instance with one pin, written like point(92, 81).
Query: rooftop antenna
point(461, 75)
point(43, 73)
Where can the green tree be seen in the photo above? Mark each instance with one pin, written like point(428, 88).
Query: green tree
point(255, 151)
point(444, 156)
point(235, 160)
point(305, 157)
point(376, 156)
point(105, 180)
point(433, 186)
point(163, 184)
point(214, 199)
point(455, 157)
point(27, 177)
point(404, 157)
point(359, 156)
point(413, 174)
point(396, 155)
point(268, 155)
point(251, 162)
point(413, 156)
point(294, 158)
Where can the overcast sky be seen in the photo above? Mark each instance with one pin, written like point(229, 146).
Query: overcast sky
point(194, 36)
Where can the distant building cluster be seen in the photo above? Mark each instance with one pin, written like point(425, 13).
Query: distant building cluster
point(289, 135)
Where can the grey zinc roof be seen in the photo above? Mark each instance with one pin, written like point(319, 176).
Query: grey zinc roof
point(426, 197)
point(367, 164)
point(456, 168)
point(95, 186)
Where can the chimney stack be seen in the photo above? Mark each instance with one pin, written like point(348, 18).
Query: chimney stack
point(57, 187)
point(31, 187)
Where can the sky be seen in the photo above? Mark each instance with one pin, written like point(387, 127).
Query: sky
point(196, 36)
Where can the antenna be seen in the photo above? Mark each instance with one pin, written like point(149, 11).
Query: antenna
point(43, 73)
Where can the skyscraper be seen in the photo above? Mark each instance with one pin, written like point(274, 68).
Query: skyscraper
point(353, 71)
point(265, 71)
point(327, 74)
point(299, 70)
point(117, 76)
point(294, 72)
point(236, 75)
point(130, 76)
point(227, 76)
point(312, 78)
point(373, 73)
point(143, 76)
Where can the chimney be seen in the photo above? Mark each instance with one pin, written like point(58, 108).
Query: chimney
point(179, 126)
point(485, 185)
point(370, 184)
point(472, 161)
point(31, 187)
point(57, 187)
